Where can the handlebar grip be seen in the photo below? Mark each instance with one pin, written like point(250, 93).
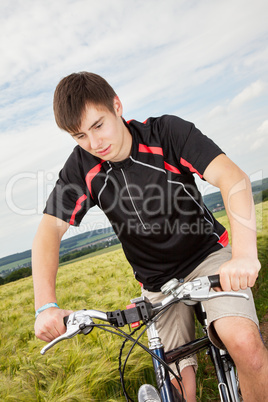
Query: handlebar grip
point(65, 320)
point(214, 281)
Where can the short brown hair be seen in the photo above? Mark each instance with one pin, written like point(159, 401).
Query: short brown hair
point(74, 92)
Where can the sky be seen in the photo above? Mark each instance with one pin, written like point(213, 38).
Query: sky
point(202, 60)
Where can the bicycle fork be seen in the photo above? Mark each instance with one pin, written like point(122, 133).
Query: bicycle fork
point(161, 374)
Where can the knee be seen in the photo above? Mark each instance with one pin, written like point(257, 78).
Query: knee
point(244, 344)
point(247, 348)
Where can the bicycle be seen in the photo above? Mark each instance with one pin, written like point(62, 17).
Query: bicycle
point(191, 293)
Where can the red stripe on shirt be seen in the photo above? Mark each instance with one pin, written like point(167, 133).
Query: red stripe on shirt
point(190, 167)
point(171, 168)
point(224, 239)
point(150, 150)
point(77, 208)
point(91, 174)
point(128, 121)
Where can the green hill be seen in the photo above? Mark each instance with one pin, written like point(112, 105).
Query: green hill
point(85, 368)
point(74, 243)
point(214, 201)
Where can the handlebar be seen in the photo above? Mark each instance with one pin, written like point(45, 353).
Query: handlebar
point(214, 281)
point(77, 322)
point(141, 309)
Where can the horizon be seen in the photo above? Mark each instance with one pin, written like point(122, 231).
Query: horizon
point(174, 57)
point(69, 236)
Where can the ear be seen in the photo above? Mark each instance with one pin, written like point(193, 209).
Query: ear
point(118, 107)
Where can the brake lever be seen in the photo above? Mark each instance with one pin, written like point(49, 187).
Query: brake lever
point(199, 290)
point(213, 295)
point(68, 334)
point(77, 323)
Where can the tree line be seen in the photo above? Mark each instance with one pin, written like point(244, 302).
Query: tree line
point(87, 250)
point(27, 271)
point(16, 275)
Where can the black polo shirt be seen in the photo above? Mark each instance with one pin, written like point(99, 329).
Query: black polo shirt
point(150, 198)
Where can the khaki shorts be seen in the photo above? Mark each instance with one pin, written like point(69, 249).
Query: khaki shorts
point(178, 325)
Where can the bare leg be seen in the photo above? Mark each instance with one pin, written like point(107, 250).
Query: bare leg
point(242, 339)
point(188, 380)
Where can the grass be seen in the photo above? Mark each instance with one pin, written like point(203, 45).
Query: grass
point(85, 368)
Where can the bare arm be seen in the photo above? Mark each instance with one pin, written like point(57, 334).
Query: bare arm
point(242, 270)
point(45, 259)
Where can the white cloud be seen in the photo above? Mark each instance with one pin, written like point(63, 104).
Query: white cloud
point(260, 139)
point(184, 57)
point(217, 111)
point(252, 91)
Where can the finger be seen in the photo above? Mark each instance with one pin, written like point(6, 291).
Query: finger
point(235, 282)
point(56, 325)
point(45, 334)
point(49, 330)
point(252, 279)
point(243, 282)
point(225, 281)
point(49, 333)
point(45, 338)
point(65, 313)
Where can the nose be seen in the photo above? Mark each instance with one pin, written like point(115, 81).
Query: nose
point(95, 141)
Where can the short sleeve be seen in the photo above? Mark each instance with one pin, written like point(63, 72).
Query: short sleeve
point(192, 148)
point(70, 199)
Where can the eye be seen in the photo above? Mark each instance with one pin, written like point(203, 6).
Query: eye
point(98, 126)
point(80, 136)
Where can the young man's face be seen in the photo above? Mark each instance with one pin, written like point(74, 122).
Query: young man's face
point(103, 134)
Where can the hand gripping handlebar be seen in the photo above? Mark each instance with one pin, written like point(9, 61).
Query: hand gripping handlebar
point(77, 323)
point(189, 293)
point(197, 290)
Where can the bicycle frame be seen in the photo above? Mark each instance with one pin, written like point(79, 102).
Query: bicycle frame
point(193, 347)
point(223, 364)
point(226, 384)
point(162, 377)
point(142, 310)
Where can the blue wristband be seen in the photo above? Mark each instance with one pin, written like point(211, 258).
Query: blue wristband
point(48, 305)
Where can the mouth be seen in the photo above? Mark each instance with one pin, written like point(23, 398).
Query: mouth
point(104, 151)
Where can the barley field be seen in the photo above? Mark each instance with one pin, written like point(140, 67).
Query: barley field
point(85, 368)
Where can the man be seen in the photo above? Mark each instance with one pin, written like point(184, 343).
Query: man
point(141, 176)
